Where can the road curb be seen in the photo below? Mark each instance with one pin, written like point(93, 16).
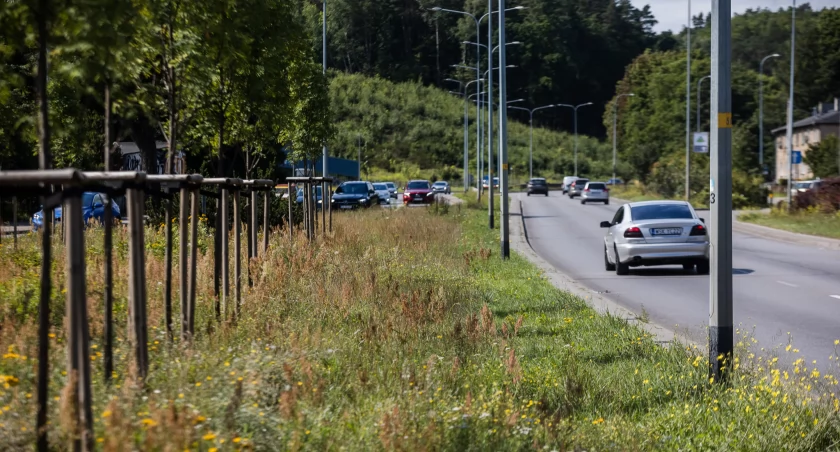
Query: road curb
point(603, 305)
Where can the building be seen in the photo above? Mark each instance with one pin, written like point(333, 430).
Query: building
point(824, 121)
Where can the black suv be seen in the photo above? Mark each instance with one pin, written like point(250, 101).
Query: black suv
point(353, 195)
point(537, 186)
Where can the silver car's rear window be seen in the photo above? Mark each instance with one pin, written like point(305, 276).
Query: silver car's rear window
point(597, 186)
point(660, 212)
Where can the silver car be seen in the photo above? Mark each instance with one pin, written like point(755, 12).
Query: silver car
point(656, 233)
point(576, 187)
point(595, 192)
point(383, 193)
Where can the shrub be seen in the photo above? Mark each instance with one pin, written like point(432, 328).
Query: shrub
point(825, 199)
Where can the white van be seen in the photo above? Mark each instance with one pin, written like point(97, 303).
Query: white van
point(568, 181)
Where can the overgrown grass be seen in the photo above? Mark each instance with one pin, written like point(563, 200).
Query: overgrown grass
point(403, 331)
point(804, 222)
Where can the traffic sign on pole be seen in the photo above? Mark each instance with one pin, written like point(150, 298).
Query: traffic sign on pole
point(796, 157)
point(720, 197)
point(701, 142)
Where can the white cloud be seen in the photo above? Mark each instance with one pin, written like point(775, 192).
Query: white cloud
point(673, 14)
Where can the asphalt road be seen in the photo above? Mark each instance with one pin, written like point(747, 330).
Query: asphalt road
point(778, 287)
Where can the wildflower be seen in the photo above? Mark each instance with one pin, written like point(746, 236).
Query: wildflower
point(200, 418)
point(149, 422)
point(106, 413)
point(308, 432)
point(600, 420)
point(209, 437)
point(198, 384)
point(787, 349)
point(236, 440)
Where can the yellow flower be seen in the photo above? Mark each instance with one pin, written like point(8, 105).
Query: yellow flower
point(212, 449)
point(149, 422)
point(600, 420)
point(787, 349)
point(236, 440)
point(209, 437)
point(198, 384)
point(200, 418)
point(106, 413)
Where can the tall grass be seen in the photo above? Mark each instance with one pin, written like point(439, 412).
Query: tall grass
point(401, 331)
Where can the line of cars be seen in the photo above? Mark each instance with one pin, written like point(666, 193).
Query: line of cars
point(362, 194)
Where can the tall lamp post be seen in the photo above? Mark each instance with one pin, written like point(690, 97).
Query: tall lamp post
point(466, 126)
point(531, 145)
point(575, 108)
point(761, 109)
point(615, 134)
point(700, 85)
point(688, 100)
point(324, 153)
point(790, 103)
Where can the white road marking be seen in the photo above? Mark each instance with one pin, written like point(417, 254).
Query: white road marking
point(787, 284)
point(835, 296)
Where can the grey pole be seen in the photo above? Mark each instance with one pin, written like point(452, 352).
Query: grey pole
point(325, 154)
point(503, 157)
point(490, 207)
point(688, 103)
point(720, 290)
point(466, 142)
point(576, 143)
point(699, 85)
point(761, 110)
point(359, 154)
point(615, 130)
point(531, 146)
point(790, 103)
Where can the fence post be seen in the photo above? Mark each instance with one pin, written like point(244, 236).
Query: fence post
point(237, 253)
point(182, 262)
point(217, 256)
point(323, 208)
point(78, 344)
point(290, 223)
point(167, 284)
point(253, 252)
point(225, 252)
point(137, 280)
point(265, 220)
point(329, 187)
point(14, 219)
point(193, 261)
point(108, 276)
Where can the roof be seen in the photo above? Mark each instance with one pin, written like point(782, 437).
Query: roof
point(830, 117)
point(653, 203)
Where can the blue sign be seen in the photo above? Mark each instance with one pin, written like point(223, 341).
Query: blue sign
point(796, 157)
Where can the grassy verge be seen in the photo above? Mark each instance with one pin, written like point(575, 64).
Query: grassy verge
point(404, 331)
point(813, 223)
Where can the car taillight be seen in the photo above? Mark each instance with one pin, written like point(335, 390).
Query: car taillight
point(698, 230)
point(607, 190)
point(633, 232)
point(586, 189)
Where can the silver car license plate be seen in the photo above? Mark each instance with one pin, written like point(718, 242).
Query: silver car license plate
point(346, 207)
point(666, 231)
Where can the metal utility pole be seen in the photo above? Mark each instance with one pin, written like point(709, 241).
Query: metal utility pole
point(688, 104)
point(531, 123)
point(490, 207)
point(699, 86)
point(359, 153)
point(761, 110)
point(575, 108)
point(615, 131)
point(790, 104)
point(325, 154)
point(720, 197)
point(503, 157)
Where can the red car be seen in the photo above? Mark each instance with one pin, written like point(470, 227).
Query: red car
point(418, 192)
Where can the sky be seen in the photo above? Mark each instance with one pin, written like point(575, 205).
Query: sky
point(673, 14)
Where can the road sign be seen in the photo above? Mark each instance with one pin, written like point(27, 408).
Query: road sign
point(796, 157)
point(701, 142)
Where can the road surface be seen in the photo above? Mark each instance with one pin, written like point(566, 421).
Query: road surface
point(778, 287)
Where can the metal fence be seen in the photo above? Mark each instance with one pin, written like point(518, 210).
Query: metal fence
point(64, 187)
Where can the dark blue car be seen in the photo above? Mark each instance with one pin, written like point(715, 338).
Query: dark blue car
point(93, 206)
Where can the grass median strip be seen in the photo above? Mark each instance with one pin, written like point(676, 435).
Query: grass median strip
point(404, 331)
point(813, 223)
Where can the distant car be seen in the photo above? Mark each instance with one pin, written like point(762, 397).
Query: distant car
point(537, 186)
point(615, 181)
point(392, 189)
point(442, 187)
point(495, 183)
point(656, 233)
point(383, 193)
point(318, 196)
point(595, 192)
point(93, 206)
point(576, 188)
point(418, 192)
point(804, 186)
point(354, 195)
point(567, 181)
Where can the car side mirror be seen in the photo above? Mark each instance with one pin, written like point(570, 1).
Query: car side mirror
point(703, 220)
point(606, 224)
point(98, 205)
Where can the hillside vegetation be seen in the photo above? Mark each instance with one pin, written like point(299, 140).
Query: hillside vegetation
point(407, 127)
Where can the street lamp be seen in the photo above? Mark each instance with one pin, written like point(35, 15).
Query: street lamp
point(324, 151)
point(761, 109)
point(688, 27)
point(531, 146)
point(615, 123)
point(699, 85)
point(790, 103)
point(575, 108)
point(466, 126)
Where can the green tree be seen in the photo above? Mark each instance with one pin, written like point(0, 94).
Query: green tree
point(824, 157)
